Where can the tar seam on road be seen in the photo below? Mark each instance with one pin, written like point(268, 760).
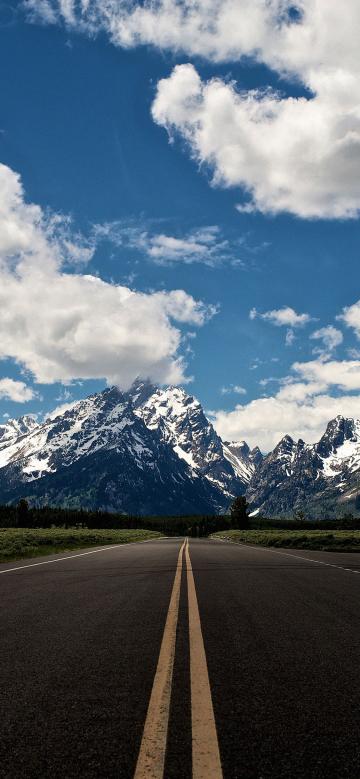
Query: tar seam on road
point(206, 762)
point(287, 554)
point(81, 554)
point(151, 760)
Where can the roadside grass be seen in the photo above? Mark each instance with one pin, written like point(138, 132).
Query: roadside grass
point(17, 543)
point(331, 541)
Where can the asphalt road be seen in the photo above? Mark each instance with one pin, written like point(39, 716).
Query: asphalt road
point(80, 642)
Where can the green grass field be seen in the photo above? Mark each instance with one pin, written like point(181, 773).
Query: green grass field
point(332, 541)
point(17, 543)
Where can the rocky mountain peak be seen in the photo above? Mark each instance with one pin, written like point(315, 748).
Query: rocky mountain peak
point(316, 478)
point(256, 456)
point(157, 435)
point(240, 446)
point(337, 432)
point(181, 421)
point(17, 427)
point(140, 391)
point(285, 446)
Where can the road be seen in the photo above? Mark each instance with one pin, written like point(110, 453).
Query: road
point(182, 660)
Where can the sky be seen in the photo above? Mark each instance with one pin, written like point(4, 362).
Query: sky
point(180, 200)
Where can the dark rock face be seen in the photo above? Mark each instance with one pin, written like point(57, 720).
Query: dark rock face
point(181, 422)
point(153, 451)
point(337, 432)
point(147, 451)
point(321, 479)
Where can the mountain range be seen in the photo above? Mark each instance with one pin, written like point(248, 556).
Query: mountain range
point(152, 450)
point(321, 479)
point(146, 451)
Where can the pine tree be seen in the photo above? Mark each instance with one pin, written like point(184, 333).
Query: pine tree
point(239, 512)
point(22, 511)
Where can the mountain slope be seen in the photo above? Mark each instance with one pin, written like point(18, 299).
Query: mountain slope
point(180, 420)
point(154, 451)
point(321, 479)
point(99, 454)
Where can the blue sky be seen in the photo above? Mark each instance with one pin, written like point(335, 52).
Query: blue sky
point(95, 138)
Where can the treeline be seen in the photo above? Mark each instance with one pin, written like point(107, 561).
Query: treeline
point(48, 516)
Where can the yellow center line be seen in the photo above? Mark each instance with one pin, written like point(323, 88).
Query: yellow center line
point(206, 762)
point(151, 760)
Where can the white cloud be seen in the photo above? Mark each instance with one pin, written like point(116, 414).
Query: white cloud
point(300, 155)
point(344, 374)
point(233, 389)
point(204, 245)
point(265, 421)
point(282, 317)
point(222, 30)
point(60, 410)
point(353, 353)
point(301, 407)
point(351, 317)
point(199, 246)
point(330, 336)
point(289, 154)
point(211, 28)
point(290, 337)
point(44, 11)
point(64, 396)
point(29, 234)
point(64, 326)
point(17, 391)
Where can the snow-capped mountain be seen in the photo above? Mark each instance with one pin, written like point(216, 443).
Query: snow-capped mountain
point(15, 428)
point(320, 479)
point(243, 460)
point(153, 451)
point(146, 451)
point(181, 422)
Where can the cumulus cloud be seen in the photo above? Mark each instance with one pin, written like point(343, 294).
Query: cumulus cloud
point(17, 391)
point(289, 154)
point(319, 34)
point(62, 326)
point(301, 407)
point(300, 155)
point(282, 317)
point(337, 373)
point(215, 29)
point(265, 421)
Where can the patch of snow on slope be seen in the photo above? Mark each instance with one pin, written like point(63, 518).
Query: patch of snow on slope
point(347, 454)
point(243, 468)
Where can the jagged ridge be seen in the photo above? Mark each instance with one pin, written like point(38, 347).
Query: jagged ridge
point(145, 451)
point(321, 479)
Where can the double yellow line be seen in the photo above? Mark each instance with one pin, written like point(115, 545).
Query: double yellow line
point(205, 748)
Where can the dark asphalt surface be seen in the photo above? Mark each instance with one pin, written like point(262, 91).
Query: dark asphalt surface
point(80, 641)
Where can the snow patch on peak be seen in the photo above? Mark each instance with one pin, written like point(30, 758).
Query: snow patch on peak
point(180, 419)
point(340, 447)
point(237, 455)
point(17, 427)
